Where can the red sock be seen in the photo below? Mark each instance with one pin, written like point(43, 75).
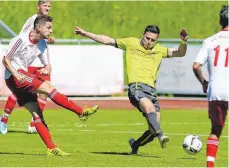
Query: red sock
point(32, 124)
point(42, 103)
point(63, 101)
point(212, 147)
point(10, 104)
point(44, 133)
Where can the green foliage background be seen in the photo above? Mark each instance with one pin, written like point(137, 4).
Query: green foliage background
point(119, 18)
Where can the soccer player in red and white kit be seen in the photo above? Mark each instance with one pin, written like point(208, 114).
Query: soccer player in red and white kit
point(44, 7)
point(23, 49)
point(215, 52)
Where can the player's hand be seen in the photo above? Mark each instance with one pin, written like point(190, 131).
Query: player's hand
point(51, 40)
point(20, 77)
point(205, 86)
point(79, 31)
point(184, 34)
point(44, 71)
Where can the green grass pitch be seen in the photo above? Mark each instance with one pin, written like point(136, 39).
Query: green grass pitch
point(102, 141)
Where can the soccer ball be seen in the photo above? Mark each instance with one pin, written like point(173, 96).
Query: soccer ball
point(192, 144)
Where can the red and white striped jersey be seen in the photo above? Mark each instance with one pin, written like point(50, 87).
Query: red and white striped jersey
point(215, 52)
point(22, 52)
point(28, 27)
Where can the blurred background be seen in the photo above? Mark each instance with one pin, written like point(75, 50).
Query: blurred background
point(91, 73)
point(97, 70)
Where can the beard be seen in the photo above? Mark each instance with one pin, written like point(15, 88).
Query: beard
point(46, 37)
point(147, 47)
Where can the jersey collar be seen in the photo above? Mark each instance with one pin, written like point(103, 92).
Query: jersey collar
point(31, 41)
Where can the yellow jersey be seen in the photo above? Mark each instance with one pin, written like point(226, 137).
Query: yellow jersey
point(142, 65)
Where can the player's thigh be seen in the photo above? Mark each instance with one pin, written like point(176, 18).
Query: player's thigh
point(21, 92)
point(45, 88)
point(143, 97)
point(42, 95)
point(146, 105)
point(217, 112)
point(135, 94)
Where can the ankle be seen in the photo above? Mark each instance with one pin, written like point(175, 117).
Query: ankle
point(160, 137)
point(32, 124)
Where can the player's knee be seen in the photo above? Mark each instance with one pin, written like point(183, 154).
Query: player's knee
point(146, 105)
point(149, 108)
point(49, 88)
point(43, 96)
point(152, 108)
point(217, 130)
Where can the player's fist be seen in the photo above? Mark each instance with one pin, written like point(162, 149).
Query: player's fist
point(184, 34)
point(44, 71)
point(205, 86)
point(79, 31)
point(51, 40)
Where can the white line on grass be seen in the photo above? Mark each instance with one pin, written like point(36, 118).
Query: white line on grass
point(113, 124)
point(136, 132)
point(117, 132)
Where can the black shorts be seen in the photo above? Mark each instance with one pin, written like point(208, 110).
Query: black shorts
point(139, 90)
point(217, 111)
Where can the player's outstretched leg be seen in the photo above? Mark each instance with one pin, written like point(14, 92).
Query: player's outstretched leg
point(63, 101)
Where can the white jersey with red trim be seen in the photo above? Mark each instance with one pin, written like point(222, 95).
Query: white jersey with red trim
point(28, 27)
point(29, 24)
point(215, 52)
point(22, 52)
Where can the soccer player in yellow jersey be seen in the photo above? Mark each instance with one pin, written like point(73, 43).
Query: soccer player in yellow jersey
point(143, 59)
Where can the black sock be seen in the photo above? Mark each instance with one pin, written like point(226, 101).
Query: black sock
point(144, 139)
point(154, 125)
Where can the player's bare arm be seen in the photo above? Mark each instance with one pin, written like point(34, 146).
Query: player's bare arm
point(6, 62)
point(98, 38)
point(181, 51)
point(198, 73)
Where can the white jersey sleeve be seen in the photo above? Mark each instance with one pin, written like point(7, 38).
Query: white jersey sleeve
point(29, 24)
point(14, 46)
point(202, 55)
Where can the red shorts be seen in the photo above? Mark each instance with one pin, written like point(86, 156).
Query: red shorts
point(25, 92)
point(34, 70)
point(217, 111)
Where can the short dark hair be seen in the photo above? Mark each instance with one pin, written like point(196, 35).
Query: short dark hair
point(40, 19)
point(223, 14)
point(152, 29)
point(43, 1)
